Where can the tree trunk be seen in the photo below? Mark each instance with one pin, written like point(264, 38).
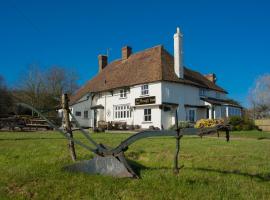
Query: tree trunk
point(68, 129)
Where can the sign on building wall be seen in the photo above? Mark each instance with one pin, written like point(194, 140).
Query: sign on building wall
point(145, 100)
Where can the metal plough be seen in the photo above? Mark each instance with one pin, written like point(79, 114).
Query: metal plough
point(112, 161)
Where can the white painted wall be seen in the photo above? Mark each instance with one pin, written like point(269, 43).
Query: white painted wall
point(110, 100)
point(83, 105)
point(165, 92)
point(180, 94)
point(139, 116)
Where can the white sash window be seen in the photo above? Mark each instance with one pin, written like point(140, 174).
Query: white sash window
point(122, 112)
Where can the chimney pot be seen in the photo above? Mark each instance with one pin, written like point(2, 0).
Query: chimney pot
point(102, 62)
point(126, 52)
point(211, 77)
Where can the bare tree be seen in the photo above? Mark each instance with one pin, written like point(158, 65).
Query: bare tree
point(43, 89)
point(6, 100)
point(31, 89)
point(259, 97)
point(60, 80)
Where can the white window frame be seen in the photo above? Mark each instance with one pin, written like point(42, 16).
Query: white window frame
point(85, 116)
point(147, 115)
point(145, 90)
point(122, 112)
point(123, 93)
point(188, 116)
point(78, 113)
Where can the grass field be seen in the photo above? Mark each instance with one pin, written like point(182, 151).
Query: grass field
point(31, 168)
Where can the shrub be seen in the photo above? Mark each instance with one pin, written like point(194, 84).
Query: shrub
point(235, 120)
point(203, 123)
point(182, 124)
point(241, 123)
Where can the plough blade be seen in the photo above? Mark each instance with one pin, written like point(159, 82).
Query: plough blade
point(108, 166)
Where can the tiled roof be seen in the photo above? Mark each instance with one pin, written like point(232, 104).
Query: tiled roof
point(216, 101)
point(151, 65)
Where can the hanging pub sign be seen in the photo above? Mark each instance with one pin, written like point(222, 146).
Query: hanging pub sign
point(145, 100)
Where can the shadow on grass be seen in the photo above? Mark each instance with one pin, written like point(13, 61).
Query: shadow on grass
point(137, 167)
point(264, 138)
point(262, 177)
point(34, 138)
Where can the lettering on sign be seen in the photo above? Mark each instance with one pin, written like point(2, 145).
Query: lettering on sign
point(145, 100)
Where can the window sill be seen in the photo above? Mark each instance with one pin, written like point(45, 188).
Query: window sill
point(144, 95)
point(122, 97)
point(147, 122)
point(120, 120)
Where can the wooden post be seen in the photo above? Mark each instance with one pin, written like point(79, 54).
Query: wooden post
point(176, 166)
point(68, 129)
point(177, 137)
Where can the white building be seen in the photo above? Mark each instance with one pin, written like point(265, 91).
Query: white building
point(147, 87)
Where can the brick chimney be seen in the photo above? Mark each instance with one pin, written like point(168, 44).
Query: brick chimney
point(126, 52)
point(211, 77)
point(102, 62)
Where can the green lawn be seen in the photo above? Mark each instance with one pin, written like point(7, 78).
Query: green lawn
point(30, 168)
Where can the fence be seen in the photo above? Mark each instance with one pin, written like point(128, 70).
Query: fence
point(263, 124)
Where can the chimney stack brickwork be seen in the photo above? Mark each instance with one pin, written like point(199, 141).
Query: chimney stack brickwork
point(102, 62)
point(126, 52)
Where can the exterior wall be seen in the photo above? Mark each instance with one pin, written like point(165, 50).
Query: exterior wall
point(186, 94)
point(167, 118)
point(216, 94)
point(180, 94)
point(83, 104)
point(167, 93)
point(201, 113)
point(111, 99)
point(138, 116)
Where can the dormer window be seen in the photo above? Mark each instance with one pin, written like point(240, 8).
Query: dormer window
point(123, 93)
point(144, 89)
point(202, 92)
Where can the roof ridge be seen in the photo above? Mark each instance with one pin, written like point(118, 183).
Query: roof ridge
point(132, 55)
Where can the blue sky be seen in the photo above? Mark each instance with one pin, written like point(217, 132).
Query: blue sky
point(230, 38)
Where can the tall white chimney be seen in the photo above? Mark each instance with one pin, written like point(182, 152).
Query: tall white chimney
point(178, 54)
